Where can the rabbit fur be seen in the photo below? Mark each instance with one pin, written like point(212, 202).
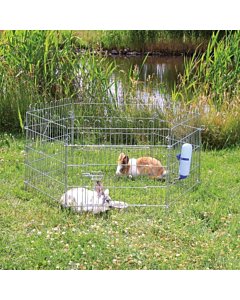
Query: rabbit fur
point(141, 166)
point(81, 199)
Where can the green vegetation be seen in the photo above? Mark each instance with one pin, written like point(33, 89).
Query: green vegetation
point(211, 82)
point(200, 232)
point(164, 41)
point(215, 73)
point(39, 66)
point(33, 68)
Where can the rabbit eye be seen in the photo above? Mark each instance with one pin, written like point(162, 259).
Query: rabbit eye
point(123, 166)
point(105, 199)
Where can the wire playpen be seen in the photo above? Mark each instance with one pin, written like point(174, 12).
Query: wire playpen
point(72, 145)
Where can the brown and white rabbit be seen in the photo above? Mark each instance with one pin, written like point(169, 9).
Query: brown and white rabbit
point(141, 166)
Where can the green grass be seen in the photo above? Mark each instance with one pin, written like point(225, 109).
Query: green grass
point(200, 232)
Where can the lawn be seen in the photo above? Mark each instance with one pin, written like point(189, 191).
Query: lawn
point(201, 231)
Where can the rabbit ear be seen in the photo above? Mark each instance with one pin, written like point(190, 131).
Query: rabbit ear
point(125, 160)
point(121, 157)
point(106, 192)
point(98, 183)
point(98, 187)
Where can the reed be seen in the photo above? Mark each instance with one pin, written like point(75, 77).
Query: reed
point(215, 73)
point(211, 83)
point(40, 66)
point(34, 67)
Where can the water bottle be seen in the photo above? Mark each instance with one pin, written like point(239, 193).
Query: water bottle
point(185, 160)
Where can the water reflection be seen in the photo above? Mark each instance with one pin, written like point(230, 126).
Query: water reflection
point(156, 80)
point(164, 69)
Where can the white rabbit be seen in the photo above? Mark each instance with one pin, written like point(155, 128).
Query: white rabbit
point(81, 199)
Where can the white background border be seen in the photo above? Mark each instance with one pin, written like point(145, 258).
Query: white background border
point(106, 14)
point(123, 14)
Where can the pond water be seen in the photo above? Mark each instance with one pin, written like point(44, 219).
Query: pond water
point(157, 76)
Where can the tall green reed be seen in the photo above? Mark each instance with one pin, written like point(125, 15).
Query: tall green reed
point(211, 84)
point(34, 67)
point(40, 66)
point(215, 73)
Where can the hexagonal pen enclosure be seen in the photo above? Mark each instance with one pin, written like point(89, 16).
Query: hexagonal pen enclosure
point(72, 145)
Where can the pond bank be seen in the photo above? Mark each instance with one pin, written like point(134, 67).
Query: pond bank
point(166, 50)
point(130, 53)
point(140, 42)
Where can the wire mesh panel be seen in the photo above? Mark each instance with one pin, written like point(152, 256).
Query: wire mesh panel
point(184, 131)
point(46, 152)
point(71, 147)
